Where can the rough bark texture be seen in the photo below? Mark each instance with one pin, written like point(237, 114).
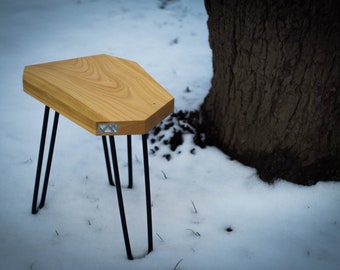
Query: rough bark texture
point(275, 96)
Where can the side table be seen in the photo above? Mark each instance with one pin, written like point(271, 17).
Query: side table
point(107, 96)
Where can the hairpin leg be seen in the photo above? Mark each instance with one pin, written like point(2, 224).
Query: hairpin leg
point(120, 199)
point(40, 160)
point(147, 192)
point(129, 151)
point(120, 196)
point(107, 160)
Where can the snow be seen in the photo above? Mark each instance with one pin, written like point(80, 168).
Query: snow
point(195, 197)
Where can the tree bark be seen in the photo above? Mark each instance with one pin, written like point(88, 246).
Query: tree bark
point(274, 101)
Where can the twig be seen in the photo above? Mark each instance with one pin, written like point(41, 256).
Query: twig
point(175, 268)
point(28, 161)
point(164, 175)
point(160, 237)
point(195, 233)
point(195, 209)
point(57, 233)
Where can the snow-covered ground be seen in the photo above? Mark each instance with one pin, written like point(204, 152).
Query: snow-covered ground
point(195, 197)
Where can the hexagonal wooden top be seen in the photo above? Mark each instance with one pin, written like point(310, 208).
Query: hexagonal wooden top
point(104, 94)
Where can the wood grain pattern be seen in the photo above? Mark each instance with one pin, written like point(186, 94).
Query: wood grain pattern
point(100, 89)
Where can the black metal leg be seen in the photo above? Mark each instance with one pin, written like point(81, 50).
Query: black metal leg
point(120, 196)
point(129, 151)
point(40, 160)
point(120, 199)
point(49, 159)
point(147, 192)
point(107, 160)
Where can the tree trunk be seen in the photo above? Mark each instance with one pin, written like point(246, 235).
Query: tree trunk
point(274, 101)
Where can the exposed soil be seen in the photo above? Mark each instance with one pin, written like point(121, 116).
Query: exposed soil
point(180, 123)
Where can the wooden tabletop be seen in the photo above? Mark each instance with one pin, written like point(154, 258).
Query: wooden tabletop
point(104, 94)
